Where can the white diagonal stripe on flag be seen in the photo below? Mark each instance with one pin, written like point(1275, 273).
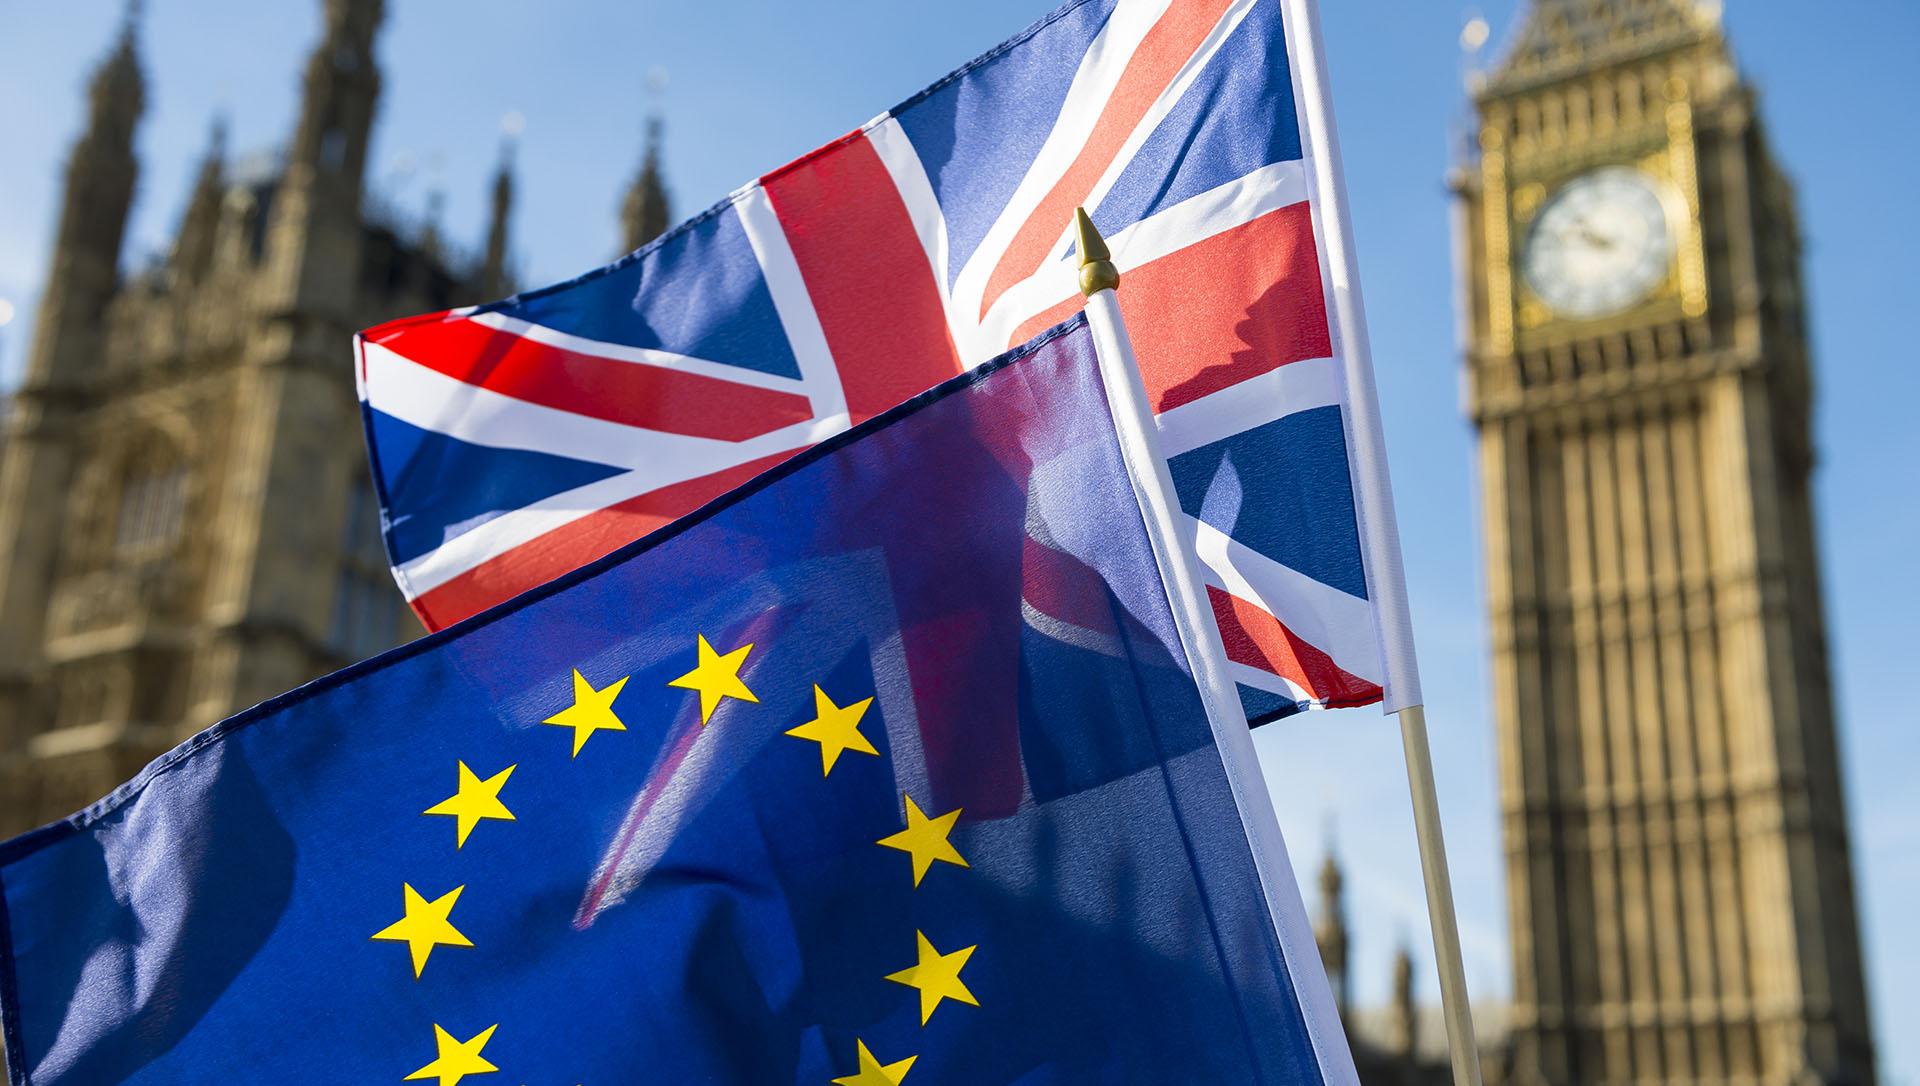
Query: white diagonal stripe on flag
point(1093, 85)
point(1163, 104)
point(1268, 681)
point(1336, 623)
point(791, 301)
point(1201, 216)
point(1193, 220)
point(432, 401)
point(909, 176)
point(527, 523)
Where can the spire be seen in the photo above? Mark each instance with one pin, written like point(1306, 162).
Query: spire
point(1558, 37)
point(93, 215)
point(493, 273)
point(645, 214)
point(342, 87)
point(119, 91)
point(313, 242)
point(193, 246)
point(1402, 1026)
point(431, 244)
point(1330, 931)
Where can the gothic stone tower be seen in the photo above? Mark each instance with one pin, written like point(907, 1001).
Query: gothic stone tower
point(186, 523)
point(1678, 876)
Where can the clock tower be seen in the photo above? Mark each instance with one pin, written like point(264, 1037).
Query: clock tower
point(1679, 886)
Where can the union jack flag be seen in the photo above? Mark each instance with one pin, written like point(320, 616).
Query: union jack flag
point(512, 442)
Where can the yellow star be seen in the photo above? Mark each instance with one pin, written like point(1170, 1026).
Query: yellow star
point(871, 1073)
point(835, 729)
point(457, 1059)
point(937, 976)
point(425, 926)
point(591, 711)
point(926, 839)
point(474, 800)
point(717, 677)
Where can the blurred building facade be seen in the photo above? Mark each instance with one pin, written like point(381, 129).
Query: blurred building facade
point(1403, 1042)
point(187, 525)
point(1679, 883)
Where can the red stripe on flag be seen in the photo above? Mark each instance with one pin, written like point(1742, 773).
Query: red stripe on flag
point(1257, 639)
point(1160, 56)
point(382, 333)
point(1229, 307)
point(973, 756)
point(574, 544)
point(1063, 587)
point(866, 273)
point(630, 393)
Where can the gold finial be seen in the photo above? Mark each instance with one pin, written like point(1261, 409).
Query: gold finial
point(1097, 272)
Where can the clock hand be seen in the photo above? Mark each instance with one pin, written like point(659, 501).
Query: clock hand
point(1591, 236)
point(1582, 234)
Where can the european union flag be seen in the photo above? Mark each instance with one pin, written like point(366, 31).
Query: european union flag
point(887, 767)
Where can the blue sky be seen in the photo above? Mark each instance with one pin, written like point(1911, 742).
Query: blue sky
point(753, 83)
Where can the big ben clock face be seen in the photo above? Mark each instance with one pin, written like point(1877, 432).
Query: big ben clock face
point(1599, 244)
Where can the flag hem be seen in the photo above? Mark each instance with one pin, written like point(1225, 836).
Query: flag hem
point(13, 1055)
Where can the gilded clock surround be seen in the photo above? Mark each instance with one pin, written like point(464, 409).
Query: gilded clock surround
point(1518, 176)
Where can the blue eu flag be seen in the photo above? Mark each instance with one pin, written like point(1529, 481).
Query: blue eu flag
point(888, 767)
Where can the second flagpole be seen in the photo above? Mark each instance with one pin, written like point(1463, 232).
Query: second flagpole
point(1200, 637)
point(1180, 568)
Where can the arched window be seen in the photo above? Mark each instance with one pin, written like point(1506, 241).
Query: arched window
point(152, 500)
point(367, 605)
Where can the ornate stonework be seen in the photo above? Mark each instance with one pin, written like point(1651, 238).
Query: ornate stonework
point(1679, 884)
point(1400, 1043)
point(186, 522)
point(186, 445)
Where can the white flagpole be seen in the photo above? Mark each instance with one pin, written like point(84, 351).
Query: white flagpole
point(1200, 637)
point(1382, 549)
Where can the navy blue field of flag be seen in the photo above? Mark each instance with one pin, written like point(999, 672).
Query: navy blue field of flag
point(887, 767)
